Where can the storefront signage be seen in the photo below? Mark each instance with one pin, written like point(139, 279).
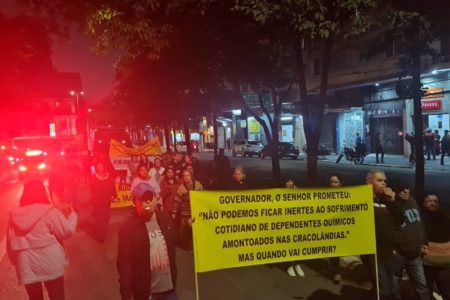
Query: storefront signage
point(431, 105)
point(433, 92)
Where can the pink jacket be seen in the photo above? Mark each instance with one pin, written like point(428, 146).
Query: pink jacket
point(35, 233)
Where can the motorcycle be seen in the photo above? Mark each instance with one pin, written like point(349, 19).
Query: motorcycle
point(356, 155)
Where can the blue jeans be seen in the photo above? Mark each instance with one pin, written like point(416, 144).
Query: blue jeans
point(385, 267)
point(414, 268)
point(430, 150)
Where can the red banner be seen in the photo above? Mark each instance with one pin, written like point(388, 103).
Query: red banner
point(431, 105)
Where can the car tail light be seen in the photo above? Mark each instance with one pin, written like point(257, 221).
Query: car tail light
point(42, 166)
point(22, 168)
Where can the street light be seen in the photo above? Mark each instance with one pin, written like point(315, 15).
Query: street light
point(77, 94)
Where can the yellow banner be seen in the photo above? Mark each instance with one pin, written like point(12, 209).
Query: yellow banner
point(244, 228)
point(124, 197)
point(118, 149)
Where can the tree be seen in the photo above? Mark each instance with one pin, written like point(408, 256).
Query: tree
point(24, 60)
point(304, 26)
point(421, 24)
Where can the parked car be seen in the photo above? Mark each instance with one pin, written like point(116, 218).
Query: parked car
point(284, 149)
point(247, 148)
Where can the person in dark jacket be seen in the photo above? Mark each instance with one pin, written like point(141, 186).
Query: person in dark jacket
point(428, 140)
point(437, 257)
point(239, 181)
point(223, 170)
point(146, 253)
point(409, 241)
point(445, 146)
point(385, 221)
point(103, 193)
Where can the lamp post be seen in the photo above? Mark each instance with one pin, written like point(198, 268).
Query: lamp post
point(77, 95)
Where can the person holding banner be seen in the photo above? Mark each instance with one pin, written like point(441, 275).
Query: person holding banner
point(385, 222)
point(335, 181)
point(182, 208)
point(146, 253)
point(293, 268)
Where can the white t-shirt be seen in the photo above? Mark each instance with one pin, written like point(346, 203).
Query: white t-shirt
point(159, 258)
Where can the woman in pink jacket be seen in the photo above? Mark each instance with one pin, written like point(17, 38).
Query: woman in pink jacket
point(35, 233)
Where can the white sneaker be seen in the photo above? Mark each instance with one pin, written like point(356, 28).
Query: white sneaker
point(291, 271)
point(299, 270)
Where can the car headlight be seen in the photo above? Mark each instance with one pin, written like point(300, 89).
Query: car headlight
point(42, 166)
point(22, 168)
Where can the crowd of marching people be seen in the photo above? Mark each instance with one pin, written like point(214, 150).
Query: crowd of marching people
point(413, 237)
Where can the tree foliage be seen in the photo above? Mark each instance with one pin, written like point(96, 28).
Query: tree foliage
point(25, 59)
point(305, 25)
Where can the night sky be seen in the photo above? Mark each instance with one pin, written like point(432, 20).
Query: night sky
point(97, 73)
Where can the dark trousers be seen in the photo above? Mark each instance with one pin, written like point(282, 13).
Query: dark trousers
point(440, 276)
point(443, 154)
point(379, 150)
point(334, 265)
point(55, 289)
point(414, 268)
point(430, 151)
point(385, 268)
point(101, 215)
point(185, 234)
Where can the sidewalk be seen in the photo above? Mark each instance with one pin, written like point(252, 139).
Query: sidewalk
point(390, 160)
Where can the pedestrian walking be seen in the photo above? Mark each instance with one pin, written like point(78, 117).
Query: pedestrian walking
point(445, 146)
point(34, 242)
point(378, 147)
point(169, 186)
point(437, 141)
point(428, 140)
point(144, 183)
point(157, 170)
point(146, 260)
point(182, 208)
point(103, 193)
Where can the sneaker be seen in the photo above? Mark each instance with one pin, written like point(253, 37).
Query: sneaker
point(299, 270)
point(291, 271)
